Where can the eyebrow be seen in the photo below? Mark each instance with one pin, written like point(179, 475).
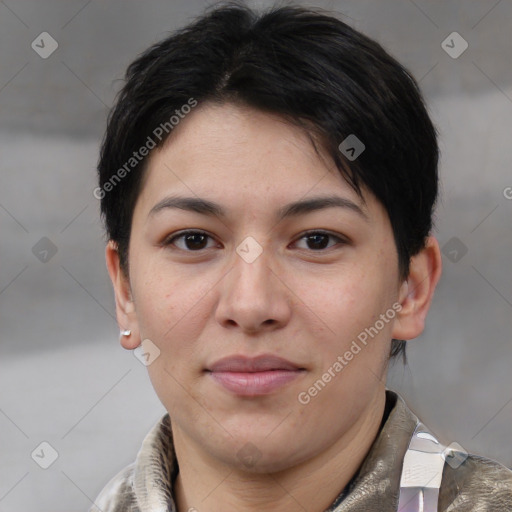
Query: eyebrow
point(210, 208)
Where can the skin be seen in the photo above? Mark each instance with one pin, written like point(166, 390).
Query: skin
point(297, 301)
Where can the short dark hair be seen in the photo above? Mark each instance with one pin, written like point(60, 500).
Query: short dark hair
point(305, 65)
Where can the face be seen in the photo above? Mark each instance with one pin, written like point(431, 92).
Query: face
point(265, 272)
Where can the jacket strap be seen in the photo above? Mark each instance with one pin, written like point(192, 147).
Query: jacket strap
point(422, 472)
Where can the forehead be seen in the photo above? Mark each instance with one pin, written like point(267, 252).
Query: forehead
point(238, 139)
point(243, 156)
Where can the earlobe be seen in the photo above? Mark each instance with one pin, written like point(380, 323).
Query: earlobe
point(416, 293)
point(125, 308)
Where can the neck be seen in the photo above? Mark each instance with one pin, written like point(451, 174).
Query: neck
point(208, 485)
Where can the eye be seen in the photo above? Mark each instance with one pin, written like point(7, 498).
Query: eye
point(190, 241)
point(195, 241)
point(318, 240)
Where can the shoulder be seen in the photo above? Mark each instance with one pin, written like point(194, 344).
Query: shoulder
point(145, 482)
point(117, 495)
point(477, 485)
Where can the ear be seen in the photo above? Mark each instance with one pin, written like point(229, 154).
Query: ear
point(417, 291)
point(125, 308)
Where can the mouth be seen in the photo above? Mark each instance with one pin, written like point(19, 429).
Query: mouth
point(256, 376)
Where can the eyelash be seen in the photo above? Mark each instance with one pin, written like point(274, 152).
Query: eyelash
point(169, 241)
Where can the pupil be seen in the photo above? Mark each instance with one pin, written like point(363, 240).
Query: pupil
point(195, 241)
point(317, 241)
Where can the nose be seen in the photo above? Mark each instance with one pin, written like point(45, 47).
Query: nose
point(253, 296)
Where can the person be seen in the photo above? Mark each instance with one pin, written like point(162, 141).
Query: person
point(268, 182)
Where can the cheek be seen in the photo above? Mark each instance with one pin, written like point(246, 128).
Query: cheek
point(173, 308)
point(342, 301)
point(345, 306)
point(171, 312)
point(164, 296)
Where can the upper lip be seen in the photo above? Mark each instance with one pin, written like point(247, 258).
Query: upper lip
point(239, 363)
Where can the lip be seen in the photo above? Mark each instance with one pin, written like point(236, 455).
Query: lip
point(262, 363)
point(260, 375)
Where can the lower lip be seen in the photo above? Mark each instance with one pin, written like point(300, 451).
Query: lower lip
point(255, 383)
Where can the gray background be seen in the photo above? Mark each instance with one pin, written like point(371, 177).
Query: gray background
point(65, 379)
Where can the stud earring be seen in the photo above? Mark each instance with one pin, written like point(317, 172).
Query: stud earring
point(126, 332)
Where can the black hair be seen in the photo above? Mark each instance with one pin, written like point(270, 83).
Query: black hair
point(307, 66)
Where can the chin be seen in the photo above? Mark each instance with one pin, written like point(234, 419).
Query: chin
point(257, 452)
point(257, 459)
